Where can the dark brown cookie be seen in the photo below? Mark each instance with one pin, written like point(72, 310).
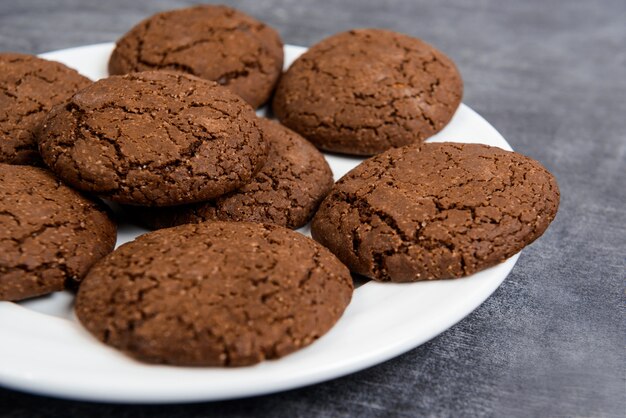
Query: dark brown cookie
point(213, 42)
point(214, 294)
point(364, 91)
point(446, 211)
point(286, 192)
point(154, 138)
point(29, 87)
point(49, 233)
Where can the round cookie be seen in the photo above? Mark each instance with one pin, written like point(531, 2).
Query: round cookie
point(49, 234)
point(286, 191)
point(214, 294)
point(445, 211)
point(29, 87)
point(154, 138)
point(217, 43)
point(364, 91)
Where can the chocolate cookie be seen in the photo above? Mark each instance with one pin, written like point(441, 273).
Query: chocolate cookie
point(49, 233)
point(154, 138)
point(447, 210)
point(214, 294)
point(286, 192)
point(29, 87)
point(364, 91)
point(213, 42)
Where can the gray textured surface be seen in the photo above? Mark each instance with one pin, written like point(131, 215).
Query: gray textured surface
point(551, 77)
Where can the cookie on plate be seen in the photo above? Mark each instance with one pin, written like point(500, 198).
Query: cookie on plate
point(364, 91)
point(214, 294)
point(29, 87)
point(218, 43)
point(286, 191)
point(154, 138)
point(445, 211)
point(50, 235)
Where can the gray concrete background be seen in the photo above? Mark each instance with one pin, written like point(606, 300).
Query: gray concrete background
point(551, 77)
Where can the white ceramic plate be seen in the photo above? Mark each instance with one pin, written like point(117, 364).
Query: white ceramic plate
point(44, 350)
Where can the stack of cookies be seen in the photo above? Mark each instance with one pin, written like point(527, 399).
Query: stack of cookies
point(173, 138)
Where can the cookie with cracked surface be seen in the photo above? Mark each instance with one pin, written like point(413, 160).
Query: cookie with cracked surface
point(286, 192)
point(214, 294)
point(364, 91)
point(29, 88)
point(50, 235)
point(154, 138)
point(217, 43)
point(445, 211)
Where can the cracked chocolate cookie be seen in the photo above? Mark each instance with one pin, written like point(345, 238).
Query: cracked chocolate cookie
point(286, 192)
point(214, 294)
point(29, 87)
point(154, 138)
point(50, 235)
point(364, 91)
point(445, 211)
point(213, 42)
